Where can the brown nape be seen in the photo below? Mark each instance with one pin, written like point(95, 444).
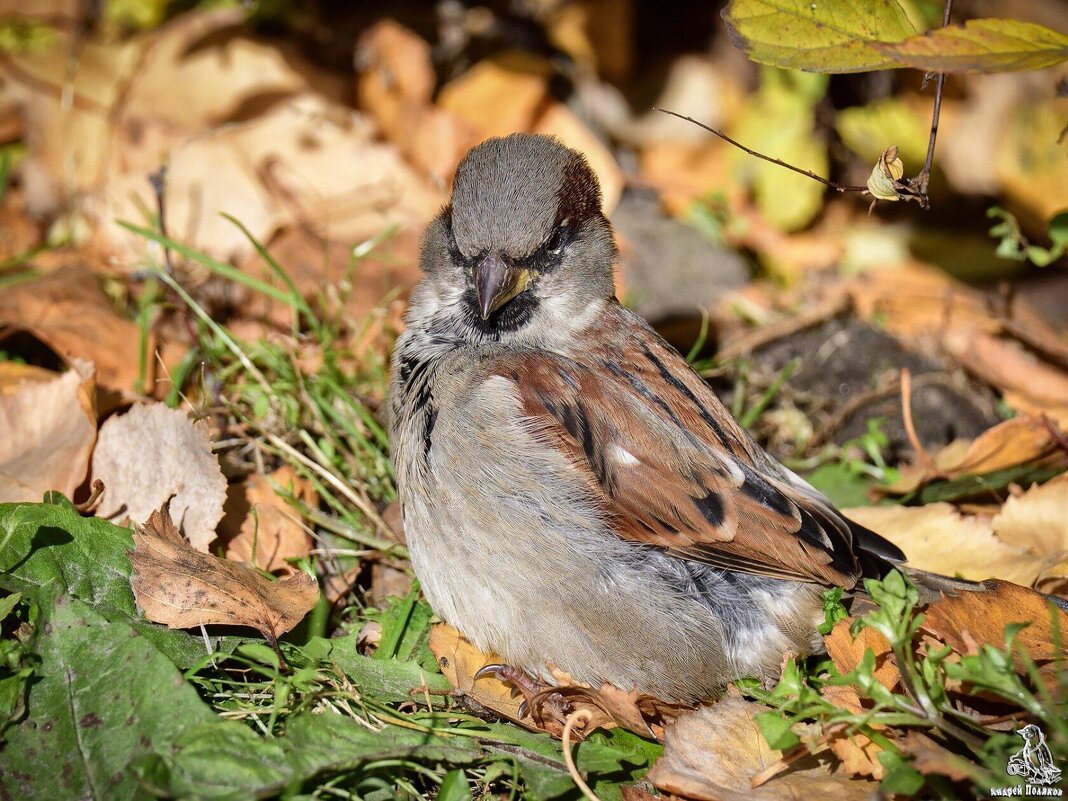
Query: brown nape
point(579, 196)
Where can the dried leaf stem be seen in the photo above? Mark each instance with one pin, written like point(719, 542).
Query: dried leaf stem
point(581, 717)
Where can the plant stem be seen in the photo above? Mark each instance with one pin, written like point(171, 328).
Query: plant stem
point(920, 182)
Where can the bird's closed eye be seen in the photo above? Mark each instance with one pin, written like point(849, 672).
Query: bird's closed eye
point(559, 239)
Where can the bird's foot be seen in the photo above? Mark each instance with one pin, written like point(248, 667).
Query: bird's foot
point(538, 698)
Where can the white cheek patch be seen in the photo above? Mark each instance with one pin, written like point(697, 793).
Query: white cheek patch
point(623, 456)
point(570, 320)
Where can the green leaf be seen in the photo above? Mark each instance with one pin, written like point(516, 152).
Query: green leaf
point(48, 549)
point(219, 760)
point(901, 778)
point(8, 604)
point(1058, 230)
point(328, 741)
point(454, 787)
point(833, 610)
point(385, 680)
point(981, 45)
point(776, 730)
point(842, 484)
point(103, 695)
point(817, 35)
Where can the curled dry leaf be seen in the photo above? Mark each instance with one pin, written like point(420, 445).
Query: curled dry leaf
point(713, 754)
point(69, 312)
point(884, 183)
point(47, 430)
point(608, 706)
point(182, 588)
point(1037, 520)
point(859, 754)
point(977, 618)
point(928, 757)
point(847, 652)
point(1023, 440)
point(939, 538)
point(272, 533)
point(152, 453)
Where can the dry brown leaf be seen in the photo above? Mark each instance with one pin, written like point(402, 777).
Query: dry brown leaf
point(69, 312)
point(940, 539)
point(308, 162)
point(136, 99)
point(915, 300)
point(272, 533)
point(1037, 520)
point(976, 618)
point(459, 661)
point(928, 757)
point(713, 754)
point(14, 375)
point(201, 70)
point(859, 754)
point(47, 430)
point(607, 706)
point(395, 85)
point(1019, 354)
point(1019, 441)
point(499, 95)
point(847, 652)
point(633, 792)
point(1010, 367)
point(152, 453)
point(182, 588)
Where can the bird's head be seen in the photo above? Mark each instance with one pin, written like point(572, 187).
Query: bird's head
point(523, 247)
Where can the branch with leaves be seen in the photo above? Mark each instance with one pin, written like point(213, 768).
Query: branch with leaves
point(837, 36)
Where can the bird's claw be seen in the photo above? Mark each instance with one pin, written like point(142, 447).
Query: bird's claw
point(536, 695)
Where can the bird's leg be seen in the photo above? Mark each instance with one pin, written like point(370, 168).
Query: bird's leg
point(537, 696)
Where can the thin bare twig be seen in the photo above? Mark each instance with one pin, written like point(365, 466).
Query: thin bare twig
point(158, 179)
point(832, 184)
point(920, 182)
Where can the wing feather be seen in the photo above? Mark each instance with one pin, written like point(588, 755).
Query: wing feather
point(673, 469)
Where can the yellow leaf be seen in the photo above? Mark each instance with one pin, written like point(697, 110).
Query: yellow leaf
point(867, 129)
point(981, 45)
point(779, 122)
point(817, 35)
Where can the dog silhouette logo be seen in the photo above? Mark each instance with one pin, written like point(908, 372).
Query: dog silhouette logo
point(1034, 762)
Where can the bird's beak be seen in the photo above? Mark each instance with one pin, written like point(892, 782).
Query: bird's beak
point(496, 283)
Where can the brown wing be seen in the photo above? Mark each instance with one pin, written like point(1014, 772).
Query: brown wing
point(671, 466)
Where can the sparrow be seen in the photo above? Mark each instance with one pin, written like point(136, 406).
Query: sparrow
point(574, 495)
